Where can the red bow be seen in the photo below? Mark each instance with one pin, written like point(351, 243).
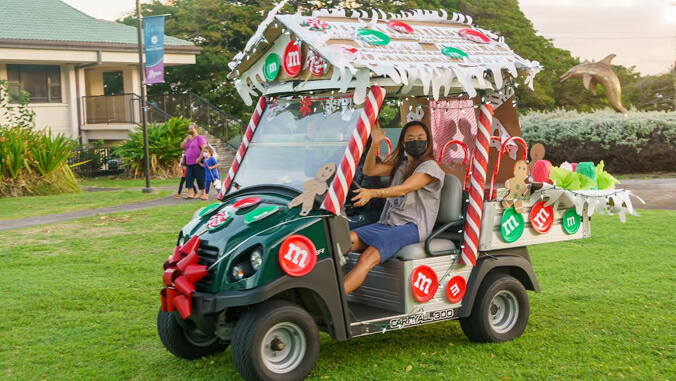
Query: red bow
point(181, 272)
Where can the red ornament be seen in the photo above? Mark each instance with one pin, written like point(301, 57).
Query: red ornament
point(315, 63)
point(246, 202)
point(541, 217)
point(292, 59)
point(475, 36)
point(424, 283)
point(455, 290)
point(297, 255)
point(305, 106)
point(317, 24)
point(399, 26)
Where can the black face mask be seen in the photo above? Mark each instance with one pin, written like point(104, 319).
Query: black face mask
point(415, 148)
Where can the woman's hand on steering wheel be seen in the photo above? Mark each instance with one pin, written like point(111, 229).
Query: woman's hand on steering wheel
point(363, 197)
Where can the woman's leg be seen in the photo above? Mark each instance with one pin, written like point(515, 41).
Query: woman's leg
point(369, 259)
point(201, 178)
point(190, 180)
point(357, 244)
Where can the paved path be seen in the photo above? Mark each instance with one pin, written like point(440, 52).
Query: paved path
point(68, 216)
point(657, 193)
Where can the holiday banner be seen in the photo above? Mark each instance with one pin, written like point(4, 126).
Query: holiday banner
point(153, 36)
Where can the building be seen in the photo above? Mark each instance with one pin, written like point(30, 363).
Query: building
point(82, 73)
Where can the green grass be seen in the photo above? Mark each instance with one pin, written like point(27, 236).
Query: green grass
point(80, 301)
point(22, 207)
point(104, 182)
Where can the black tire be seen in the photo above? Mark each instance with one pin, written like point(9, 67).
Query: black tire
point(478, 327)
point(249, 338)
point(187, 345)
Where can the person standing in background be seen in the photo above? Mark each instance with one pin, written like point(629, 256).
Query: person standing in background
point(182, 168)
point(193, 144)
point(210, 164)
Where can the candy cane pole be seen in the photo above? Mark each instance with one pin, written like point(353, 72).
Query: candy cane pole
point(341, 181)
point(470, 240)
point(246, 139)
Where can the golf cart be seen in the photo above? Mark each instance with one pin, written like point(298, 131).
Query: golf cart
point(262, 271)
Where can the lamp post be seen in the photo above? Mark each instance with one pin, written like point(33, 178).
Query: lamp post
point(671, 16)
point(144, 108)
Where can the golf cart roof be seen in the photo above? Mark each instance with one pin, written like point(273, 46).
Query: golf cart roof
point(419, 53)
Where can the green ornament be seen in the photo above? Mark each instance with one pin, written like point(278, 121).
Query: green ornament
point(271, 68)
point(454, 53)
point(373, 37)
point(571, 221)
point(260, 213)
point(209, 209)
point(512, 225)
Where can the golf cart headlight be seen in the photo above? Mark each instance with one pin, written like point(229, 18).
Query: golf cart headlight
point(237, 272)
point(256, 259)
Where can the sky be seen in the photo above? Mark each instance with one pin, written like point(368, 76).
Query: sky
point(641, 32)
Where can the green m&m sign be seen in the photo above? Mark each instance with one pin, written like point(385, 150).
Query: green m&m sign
point(512, 225)
point(271, 67)
point(454, 52)
point(260, 213)
point(373, 37)
point(571, 221)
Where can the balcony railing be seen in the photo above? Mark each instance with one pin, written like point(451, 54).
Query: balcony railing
point(121, 108)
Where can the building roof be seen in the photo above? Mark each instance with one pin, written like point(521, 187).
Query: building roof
point(39, 21)
point(424, 49)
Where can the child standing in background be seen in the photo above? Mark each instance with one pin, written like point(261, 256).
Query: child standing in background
point(208, 161)
point(182, 167)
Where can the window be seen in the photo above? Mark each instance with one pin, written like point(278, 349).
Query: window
point(42, 82)
point(113, 83)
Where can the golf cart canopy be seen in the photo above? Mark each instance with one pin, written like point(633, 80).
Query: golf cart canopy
point(415, 53)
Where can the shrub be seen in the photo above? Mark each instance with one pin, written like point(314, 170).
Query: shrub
point(640, 142)
point(32, 162)
point(164, 146)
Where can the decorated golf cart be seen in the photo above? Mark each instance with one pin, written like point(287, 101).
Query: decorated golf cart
point(262, 271)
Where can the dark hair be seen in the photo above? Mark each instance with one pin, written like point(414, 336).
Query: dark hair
point(398, 154)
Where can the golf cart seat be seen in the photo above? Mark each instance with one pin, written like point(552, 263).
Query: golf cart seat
point(450, 210)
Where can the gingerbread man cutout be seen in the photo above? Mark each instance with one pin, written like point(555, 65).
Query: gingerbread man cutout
point(537, 153)
point(517, 187)
point(312, 188)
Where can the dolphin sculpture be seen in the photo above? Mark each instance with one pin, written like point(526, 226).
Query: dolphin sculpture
point(599, 72)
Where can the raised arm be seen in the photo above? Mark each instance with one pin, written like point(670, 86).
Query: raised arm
point(412, 184)
point(371, 168)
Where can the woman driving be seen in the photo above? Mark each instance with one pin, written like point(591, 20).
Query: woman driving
point(412, 199)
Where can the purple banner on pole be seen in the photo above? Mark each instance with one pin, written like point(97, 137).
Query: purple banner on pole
point(153, 36)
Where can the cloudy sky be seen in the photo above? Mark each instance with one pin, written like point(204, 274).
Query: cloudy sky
point(640, 32)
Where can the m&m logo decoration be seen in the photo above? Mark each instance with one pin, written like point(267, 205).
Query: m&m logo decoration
point(475, 36)
point(571, 222)
point(373, 37)
point(292, 59)
point(512, 225)
point(271, 67)
point(247, 202)
point(424, 283)
point(454, 52)
point(455, 290)
point(541, 217)
point(297, 255)
point(400, 27)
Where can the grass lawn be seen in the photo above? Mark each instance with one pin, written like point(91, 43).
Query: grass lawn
point(105, 182)
point(21, 207)
point(80, 301)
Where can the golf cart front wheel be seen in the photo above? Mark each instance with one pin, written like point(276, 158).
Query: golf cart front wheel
point(500, 312)
point(186, 344)
point(276, 340)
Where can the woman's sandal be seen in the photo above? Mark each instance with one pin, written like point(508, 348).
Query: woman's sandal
point(204, 198)
point(188, 197)
point(177, 196)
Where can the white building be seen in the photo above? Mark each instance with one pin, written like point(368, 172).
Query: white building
point(82, 73)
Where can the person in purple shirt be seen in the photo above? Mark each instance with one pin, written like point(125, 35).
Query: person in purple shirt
point(193, 144)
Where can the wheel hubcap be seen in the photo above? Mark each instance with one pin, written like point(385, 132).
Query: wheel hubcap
point(283, 347)
point(504, 311)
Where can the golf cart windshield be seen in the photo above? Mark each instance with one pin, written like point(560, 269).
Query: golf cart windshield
point(295, 138)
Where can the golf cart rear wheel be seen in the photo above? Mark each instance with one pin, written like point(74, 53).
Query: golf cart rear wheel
point(186, 344)
point(275, 340)
point(500, 311)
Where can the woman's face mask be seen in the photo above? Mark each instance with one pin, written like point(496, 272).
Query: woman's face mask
point(415, 148)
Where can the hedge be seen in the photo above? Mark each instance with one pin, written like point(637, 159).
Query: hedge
point(638, 143)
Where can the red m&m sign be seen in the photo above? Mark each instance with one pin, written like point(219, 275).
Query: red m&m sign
point(292, 59)
point(474, 35)
point(399, 26)
point(424, 283)
point(297, 255)
point(246, 202)
point(455, 290)
point(541, 217)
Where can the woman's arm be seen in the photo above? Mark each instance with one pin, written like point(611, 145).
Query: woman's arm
point(371, 168)
point(412, 184)
point(185, 141)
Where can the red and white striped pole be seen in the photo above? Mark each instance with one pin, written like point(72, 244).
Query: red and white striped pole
point(470, 241)
point(246, 139)
point(341, 181)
